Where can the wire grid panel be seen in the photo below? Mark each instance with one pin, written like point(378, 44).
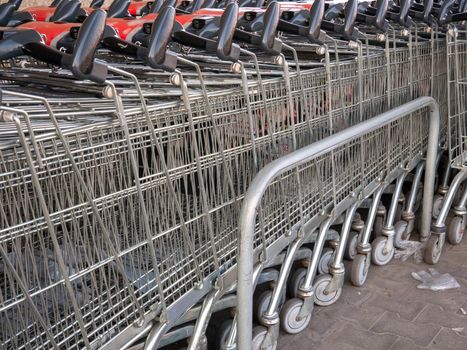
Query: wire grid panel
point(122, 219)
point(457, 92)
point(325, 182)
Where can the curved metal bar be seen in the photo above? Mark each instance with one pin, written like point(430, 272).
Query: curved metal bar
point(265, 177)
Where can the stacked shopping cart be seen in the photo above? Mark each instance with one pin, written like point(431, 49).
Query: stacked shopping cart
point(131, 148)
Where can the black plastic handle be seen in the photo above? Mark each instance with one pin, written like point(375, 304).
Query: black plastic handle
point(192, 40)
point(44, 53)
point(271, 21)
point(444, 11)
point(67, 11)
point(13, 45)
point(95, 4)
point(15, 3)
point(6, 12)
point(228, 24)
point(120, 46)
point(316, 19)
point(350, 13)
point(119, 9)
point(89, 38)
point(163, 5)
point(459, 17)
point(208, 4)
point(404, 13)
point(195, 6)
point(160, 36)
point(428, 7)
point(55, 3)
point(380, 16)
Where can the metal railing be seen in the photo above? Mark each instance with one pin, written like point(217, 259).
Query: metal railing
point(266, 176)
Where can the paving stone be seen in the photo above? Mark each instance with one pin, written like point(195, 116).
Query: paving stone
point(449, 300)
point(433, 314)
point(421, 334)
point(406, 344)
point(364, 317)
point(399, 305)
point(448, 339)
point(351, 335)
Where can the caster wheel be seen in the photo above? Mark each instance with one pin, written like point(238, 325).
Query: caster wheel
point(351, 246)
point(379, 256)
point(295, 281)
point(359, 271)
point(259, 334)
point(322, 299)
point(222, 334)
point(325, 260)
point(262, 303)
point(289, 322)
point(401, 232)
point(433, 250)
point(437, 205)
point(378, 225)
point(456, 230)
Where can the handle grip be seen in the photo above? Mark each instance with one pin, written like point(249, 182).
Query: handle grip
point(228, 24)
point(6, 12)
point(316, 19)
point(119, 9)
point(67, 11)
point(271, 22)
point(350, 13)
point(12, 45)
point(444, 11)
point(162, 28)
point(380, 16)
point(16, 3)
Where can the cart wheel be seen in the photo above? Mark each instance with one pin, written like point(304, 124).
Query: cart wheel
point(259, 334)
point(437, 205)
point(380, 257)
point(359, 271)
point(262, 303)
point(289, 322)
point(295, 281)
point(401, 231)
point(351, 246)
point(325, 260)
point(322, 299)
point(222, 333)
point(378, 225)
point(433, 250)
point(456, 230)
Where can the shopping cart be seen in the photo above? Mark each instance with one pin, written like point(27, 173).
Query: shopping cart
point(457, 145)
point(121, 200)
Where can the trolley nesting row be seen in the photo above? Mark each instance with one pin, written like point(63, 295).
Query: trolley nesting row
point(122, 181)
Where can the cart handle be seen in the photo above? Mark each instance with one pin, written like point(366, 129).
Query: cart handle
point(119, 9)
point(161, 32)
point(226, 50)
point(12, 46)
point(316, 18)
point(95, 4)
point(66, 11)
point(271, 21)
point(443, 15)
point(163, 5)
point(6, 11)
point(81, 63)
point(350, 12)
point(15, 3)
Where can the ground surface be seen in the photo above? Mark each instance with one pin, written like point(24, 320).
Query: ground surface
point(389, 312)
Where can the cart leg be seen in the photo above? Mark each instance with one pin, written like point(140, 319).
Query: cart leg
point(328, 288)
point(383, 246)
point(438, 229)
point(361, 263)
point(408, 215)
point(456, 227)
